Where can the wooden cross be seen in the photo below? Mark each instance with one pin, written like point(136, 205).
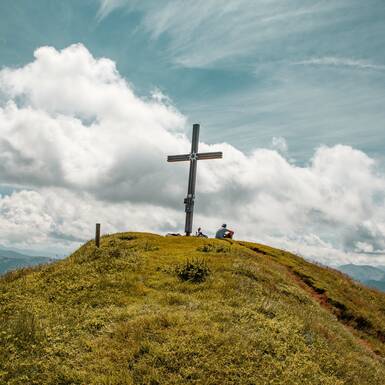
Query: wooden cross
point(193, 157)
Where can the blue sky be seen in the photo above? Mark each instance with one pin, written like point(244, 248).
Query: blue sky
point(292, 91)
point(310, 71)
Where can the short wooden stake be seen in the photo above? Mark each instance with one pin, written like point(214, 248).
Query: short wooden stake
point(97, 235)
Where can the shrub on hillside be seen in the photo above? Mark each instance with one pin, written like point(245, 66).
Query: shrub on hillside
point(195, 270)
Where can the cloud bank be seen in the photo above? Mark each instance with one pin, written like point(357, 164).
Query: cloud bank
point(81, 147)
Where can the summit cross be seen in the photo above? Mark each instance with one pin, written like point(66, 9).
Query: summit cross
point(193, 157)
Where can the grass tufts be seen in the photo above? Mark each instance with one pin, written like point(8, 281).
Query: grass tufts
point(134, 312)
point(211, 248)
point(195, 270)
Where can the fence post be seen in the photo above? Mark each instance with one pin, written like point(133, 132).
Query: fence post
point(97, 235)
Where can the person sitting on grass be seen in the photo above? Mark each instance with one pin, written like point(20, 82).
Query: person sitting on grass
point(200, 234)
point(223, 232)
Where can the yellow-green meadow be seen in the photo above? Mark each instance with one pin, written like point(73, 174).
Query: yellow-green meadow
point(147, 309)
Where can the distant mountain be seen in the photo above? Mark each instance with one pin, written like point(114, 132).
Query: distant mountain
point(12, 254)
point(372, 276)
point(363, 272)
point(10, 260)
point(376, 284)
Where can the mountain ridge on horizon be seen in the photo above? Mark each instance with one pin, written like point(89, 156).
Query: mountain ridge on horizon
point(371, 276)
point(10, 260)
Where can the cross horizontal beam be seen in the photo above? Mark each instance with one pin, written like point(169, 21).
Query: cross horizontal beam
point(209, 155)
point(178, 158)
point(199, 156)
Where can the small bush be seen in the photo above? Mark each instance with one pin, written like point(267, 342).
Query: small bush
point(193, 271)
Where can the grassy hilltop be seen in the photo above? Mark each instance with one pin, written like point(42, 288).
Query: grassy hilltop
point(121, 315)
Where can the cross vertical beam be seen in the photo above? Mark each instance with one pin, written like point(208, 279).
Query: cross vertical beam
point(193, 157)
point(189, 201)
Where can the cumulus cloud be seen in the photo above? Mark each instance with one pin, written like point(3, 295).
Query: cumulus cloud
point(72, 121)
point(57, 219)
point(83, 148)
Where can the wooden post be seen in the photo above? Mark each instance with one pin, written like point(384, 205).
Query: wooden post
point(97, 235)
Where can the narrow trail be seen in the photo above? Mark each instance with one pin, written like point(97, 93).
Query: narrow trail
point(320, 296)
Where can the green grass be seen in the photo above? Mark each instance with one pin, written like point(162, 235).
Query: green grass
point(121, 314)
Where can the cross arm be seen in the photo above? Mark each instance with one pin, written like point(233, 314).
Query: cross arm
point(178, 158)
point(199, 156)
point(209, 155)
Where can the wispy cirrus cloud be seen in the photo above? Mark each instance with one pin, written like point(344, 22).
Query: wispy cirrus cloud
point(341, 62)
point(204, 33)
point(108, 6)
point(250, 55)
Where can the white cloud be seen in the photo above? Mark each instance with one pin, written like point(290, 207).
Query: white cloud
point(364, 247)
point(58, 219)
point(72, 121)
point(84, 148)
point(341, 62)
point(203, 33)
point(279, 143)
point(107, 6)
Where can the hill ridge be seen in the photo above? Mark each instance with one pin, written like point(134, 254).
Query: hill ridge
point(120, 315)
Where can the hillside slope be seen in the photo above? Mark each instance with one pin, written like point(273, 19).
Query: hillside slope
point(120, 315)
